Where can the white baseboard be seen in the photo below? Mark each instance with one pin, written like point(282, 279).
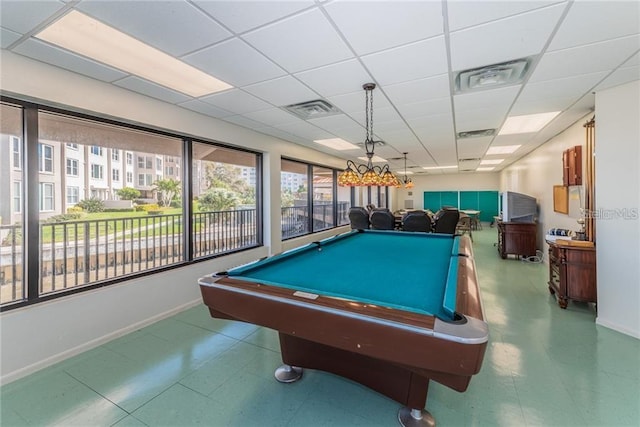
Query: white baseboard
point(45, 363)
point(618, 328)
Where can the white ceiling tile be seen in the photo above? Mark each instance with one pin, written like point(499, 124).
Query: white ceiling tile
point(64, 59)
point(468, 13)
point(241, 16)
point(354, 103)
point(336, 122)
point(305, 130)
point(443, 156)
point(172, 26)
point(336, 79)
point(584, 23)
point(282, 91)
point(418, 90)
point(580, 60)
point(567, 87)
point(425, 108)
point(410, 62)
point(206, 109)
point(235, 62)
point(244, 122)
point(22, 16)
point(500, 98)
point(545, 105)
point(272, 116)
point(620, 76)
point(473, 147)
point(382, 25)
point(153, 90)
point(633, 61)
point(7, 37)
point(486, 118)
point(236, 101)
point(301, 42)
point(504, 40)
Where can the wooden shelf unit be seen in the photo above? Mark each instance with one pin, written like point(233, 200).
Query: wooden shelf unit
point(517, 238)
point(572, 272)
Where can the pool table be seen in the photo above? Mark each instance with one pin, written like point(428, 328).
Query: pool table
point(391, 310)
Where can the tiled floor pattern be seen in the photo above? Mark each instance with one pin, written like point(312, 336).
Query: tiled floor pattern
point(544, 366)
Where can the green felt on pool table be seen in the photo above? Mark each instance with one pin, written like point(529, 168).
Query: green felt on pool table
point(410, 271)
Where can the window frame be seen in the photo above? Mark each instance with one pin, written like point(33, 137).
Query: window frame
point(32, 196)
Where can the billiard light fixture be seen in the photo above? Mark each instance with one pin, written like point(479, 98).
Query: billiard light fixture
point(368, 175)
point(408, 184)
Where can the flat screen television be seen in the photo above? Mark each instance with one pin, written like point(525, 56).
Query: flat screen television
point(518, 207)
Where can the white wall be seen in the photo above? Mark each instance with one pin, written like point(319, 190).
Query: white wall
point(443, 182)
point(539, 171)
point(36, 336)
point(617, 201)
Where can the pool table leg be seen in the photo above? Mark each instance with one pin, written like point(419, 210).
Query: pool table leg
point(415, 418)
point(288, 374)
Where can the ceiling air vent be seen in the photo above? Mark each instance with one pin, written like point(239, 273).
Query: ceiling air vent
point(503, 74)
point(471, 159)
point(312, 109)
point(476, 133)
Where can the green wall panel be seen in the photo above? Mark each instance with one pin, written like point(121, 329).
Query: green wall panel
point(484, 201)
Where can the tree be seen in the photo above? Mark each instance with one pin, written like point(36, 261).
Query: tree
point(218, 199)
point(225, 175)
point(167, 188)
point(128, 193)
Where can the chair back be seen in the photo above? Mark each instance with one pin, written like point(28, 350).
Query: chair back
point(445, 221)
point(416, 221)
point(464, 225)
point(382, 219)
point(359, 218)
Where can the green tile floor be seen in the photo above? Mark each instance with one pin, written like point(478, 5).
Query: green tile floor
point(544, 367)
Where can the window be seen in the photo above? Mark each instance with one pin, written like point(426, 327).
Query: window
point(45, 158)
point(226, 201)
point(17, 197)
point(309, 200)
point(73, 195)
point(13, 257)
point(16, 147)
point(169, 170)
point(294, 195)
point(226, 216)
point(141, 161)
point(46, 197)
point(96, 171)
point(72, 167)
point(145, 179)
point(323, 198)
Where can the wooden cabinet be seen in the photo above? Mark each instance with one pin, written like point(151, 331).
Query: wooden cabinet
point(572, 166)
point(572, 273)
point(517, 238)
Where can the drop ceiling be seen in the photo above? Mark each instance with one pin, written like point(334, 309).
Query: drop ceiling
point(277, 53)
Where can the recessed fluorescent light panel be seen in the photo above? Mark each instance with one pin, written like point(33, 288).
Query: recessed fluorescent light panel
point(91, 38)
point(337, 144)
point(527, 124)
point(502, 149)
point(492, 162)
point(439, 167)
point(484, 169)
point(374, 159)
